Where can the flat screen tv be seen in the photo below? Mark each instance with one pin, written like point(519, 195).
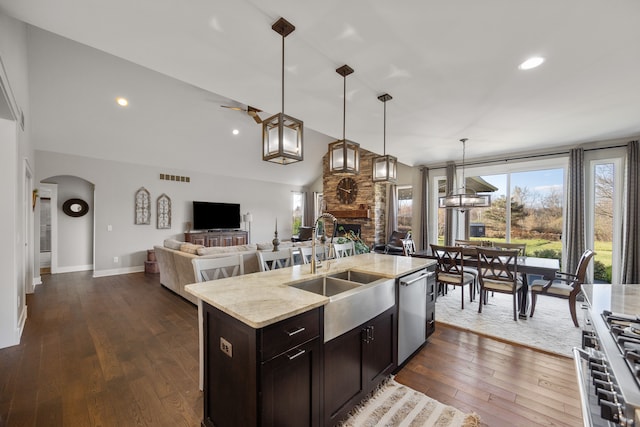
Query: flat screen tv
point(210, 216)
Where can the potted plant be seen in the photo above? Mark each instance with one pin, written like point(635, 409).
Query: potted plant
point(359, 244)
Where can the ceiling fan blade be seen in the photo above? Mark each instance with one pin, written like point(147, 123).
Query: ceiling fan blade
point(253, 112)
point(233, 108)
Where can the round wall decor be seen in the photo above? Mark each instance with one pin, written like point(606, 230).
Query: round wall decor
point(75, 207)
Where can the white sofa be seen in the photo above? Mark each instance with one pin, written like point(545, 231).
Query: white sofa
point(176, 270)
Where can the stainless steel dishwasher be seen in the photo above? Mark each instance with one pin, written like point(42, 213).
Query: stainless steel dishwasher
point(412, 313)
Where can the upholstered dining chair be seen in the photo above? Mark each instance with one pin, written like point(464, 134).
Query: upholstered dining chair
point(342, 250)
point(206, 269)
point(450, 269)
point(498, 272)
point(469, 250)
point(462, 242)
point(564, 285)
point(272, 260)
point(521, 247)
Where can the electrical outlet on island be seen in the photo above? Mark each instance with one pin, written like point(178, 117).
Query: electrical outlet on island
point(115, 260)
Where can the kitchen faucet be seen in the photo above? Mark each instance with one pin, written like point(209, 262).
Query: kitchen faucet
point(314, 264)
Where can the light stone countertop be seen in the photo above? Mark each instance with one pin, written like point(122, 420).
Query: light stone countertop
point(260, 299)
point(621, 299)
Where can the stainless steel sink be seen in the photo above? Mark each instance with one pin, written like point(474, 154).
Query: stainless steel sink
point(354, 298)
point(356, 276)
point(327, 286)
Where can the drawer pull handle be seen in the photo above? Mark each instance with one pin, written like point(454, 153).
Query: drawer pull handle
point(412, 281)
point(297, 331)
point(299, 353)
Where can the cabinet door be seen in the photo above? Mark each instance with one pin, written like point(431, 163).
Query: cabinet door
point(213, 240)
point(291, 387)
point(342, 374)
point(199, 239)
point(378, 358)
point(240, 239)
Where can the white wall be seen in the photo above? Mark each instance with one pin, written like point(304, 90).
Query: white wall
point(75, 234)
point(15, 151)
point(115, 186)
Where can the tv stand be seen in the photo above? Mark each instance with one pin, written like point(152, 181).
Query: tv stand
point(217, 237)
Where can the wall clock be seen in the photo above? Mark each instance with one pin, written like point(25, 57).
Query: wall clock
point(347, 190)
point(75, 207)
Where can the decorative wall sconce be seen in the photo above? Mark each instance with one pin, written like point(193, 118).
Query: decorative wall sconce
point(282, 134)
point(344, 156)
point(385, 166)
point(143, 207)
point(163, 211)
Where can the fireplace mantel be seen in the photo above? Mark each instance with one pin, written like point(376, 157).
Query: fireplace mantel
point(352, 213)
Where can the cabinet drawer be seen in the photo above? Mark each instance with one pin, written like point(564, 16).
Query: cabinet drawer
point(289, 333)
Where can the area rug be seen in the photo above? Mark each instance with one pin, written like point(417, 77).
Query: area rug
point(394, 404)
point(550, 329)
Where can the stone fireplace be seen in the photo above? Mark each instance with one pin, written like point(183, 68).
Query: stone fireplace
point(368, 211)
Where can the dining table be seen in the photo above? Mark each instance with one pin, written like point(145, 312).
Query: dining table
point(526, 265)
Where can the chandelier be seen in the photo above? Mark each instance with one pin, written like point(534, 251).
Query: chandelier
point(344, 156)
point(464, 199)
point(385, 166)
point(282, 134)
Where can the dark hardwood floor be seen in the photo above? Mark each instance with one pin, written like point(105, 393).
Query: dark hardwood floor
point(123, 351)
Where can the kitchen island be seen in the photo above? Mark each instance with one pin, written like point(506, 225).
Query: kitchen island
point(266, 359)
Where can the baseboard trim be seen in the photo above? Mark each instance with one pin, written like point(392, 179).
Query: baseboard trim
point(37, 281)
point(74, 268)
point(118, 271)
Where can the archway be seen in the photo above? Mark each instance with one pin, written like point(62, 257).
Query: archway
point(68, 239)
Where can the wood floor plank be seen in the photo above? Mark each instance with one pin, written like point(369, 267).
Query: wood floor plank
point(122, 350)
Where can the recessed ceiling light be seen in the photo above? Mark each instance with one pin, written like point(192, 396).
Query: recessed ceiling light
point(235, 131)
point(532, 62)
point(123, 102)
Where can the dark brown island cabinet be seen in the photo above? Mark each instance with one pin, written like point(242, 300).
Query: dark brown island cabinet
point(268, 376)
point(285, 374)
point(356, 362)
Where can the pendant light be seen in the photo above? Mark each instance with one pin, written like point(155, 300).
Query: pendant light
point(282, 134)
point(385, 166)
point(464, 199)
point(344, 156)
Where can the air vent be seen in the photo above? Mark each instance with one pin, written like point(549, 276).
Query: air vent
point(167, 177)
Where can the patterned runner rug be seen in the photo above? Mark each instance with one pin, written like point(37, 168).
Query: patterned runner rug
point(394, 404)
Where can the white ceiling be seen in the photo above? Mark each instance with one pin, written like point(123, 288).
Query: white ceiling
point(451, 67)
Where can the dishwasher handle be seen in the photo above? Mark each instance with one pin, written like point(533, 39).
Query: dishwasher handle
point(412, 281)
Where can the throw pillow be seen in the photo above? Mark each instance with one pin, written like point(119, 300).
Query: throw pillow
point(173, 244)
point(190, 248)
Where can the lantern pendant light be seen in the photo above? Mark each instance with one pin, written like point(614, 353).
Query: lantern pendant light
point(464, 199)
point(344, 156)
point(385, 166)
point(282, 134)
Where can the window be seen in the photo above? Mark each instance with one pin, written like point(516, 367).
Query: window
point(526, 207)
point(404, 214)
point(297, 210)
point(604, 207)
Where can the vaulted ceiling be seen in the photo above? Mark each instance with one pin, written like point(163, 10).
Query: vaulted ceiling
point(451, 67)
